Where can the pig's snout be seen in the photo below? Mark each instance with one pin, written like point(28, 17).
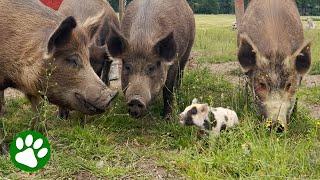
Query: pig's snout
point(137, 107)
point(97, 104)
point(276, 125)
point(109, 96)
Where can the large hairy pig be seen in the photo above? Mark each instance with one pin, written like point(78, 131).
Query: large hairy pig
point(46, 54)
point(157, 39)
point(275, 55)
point(100, 59)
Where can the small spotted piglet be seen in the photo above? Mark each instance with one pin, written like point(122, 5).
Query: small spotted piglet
point(207, 118)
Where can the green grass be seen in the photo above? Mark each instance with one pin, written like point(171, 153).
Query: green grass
point(314, 36)
point(113, 145)
point(310, 95)
point(216, 41)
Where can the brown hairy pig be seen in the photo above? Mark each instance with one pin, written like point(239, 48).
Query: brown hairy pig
point(100, 59)
point(158, 36)
point(275, 56)
point(43, 53)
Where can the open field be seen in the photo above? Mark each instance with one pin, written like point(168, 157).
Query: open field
point(113, 145)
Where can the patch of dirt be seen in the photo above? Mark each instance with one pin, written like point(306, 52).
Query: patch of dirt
point(223, 68)
point(229, 70)
point(314, 110)
point(192, 63)
point(12, 94)
point(84, 175)
point(26, 176)
point(150, 169)
point(311, 80)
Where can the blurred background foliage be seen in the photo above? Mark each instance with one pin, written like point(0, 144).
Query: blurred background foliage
point(306, 7)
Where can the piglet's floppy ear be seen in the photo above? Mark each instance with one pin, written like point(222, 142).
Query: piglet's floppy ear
point(195, 101)
point(62, 34)
point(205, 108)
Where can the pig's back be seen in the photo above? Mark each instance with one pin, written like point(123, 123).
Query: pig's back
point(148, 21)
point(21, 24)
point(273, 26)
point(83, 9)
point(227, 116)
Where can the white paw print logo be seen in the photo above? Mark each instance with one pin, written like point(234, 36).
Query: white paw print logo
point(30, 151)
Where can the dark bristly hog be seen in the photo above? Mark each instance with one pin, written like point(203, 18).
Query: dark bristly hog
point(157, 39)
point(43, 53)
point(100, 59)
point(275, 56)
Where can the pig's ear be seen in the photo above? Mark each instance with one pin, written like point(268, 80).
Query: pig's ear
point(204, 108)
point(117, 43)
point(62, 34)
point(93, 24)
point(166, 48)
point(302, 58)
point(195, 101)
point(247, 54)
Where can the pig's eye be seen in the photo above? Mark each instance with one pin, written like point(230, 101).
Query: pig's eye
point(288, 87)
point(151, 69)
point(74, 61)
point(194, 111)
point(261, 87)
point(127, 68)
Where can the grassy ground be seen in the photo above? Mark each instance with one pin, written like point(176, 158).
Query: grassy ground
point(114, 145)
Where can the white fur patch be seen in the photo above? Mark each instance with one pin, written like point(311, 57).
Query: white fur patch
point(223, 116)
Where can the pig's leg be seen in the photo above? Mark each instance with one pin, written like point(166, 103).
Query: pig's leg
point(2, 103)
point(63, 113)
point(4, 146)
point(168, 91)
point(293, 115)
point(183, 61)
point(105, 72)
point(35, 103)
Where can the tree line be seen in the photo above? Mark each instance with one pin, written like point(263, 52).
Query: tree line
point(306, 7)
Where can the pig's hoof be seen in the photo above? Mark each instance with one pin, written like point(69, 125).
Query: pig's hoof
point(63, 113)
point(279, 128)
